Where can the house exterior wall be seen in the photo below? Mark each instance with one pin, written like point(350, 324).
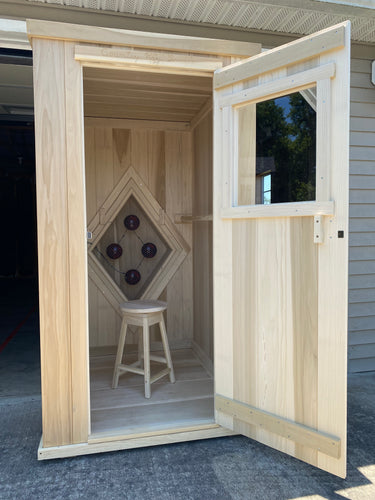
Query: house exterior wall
point(361, 321)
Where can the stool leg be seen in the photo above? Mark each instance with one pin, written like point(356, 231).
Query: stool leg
point(120, 352)
point(146, 358)
point(167, 353)
point(140, 349)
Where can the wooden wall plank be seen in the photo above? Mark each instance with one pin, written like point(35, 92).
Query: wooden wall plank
point(53, 242)
point(160, 162)
point(130, 124)
point(76, 209)
point(91, 204)
point(202, 238)
point(178, 178)
point(325, 40)
point(95, 34)
point(277, 293)
point(333, 268)
point(136, 59)
point(288, 325)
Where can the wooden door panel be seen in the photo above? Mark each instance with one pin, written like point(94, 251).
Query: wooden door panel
point(280, 270)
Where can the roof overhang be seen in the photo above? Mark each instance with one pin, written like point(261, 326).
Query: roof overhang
point(270, 22)
point(285, 17)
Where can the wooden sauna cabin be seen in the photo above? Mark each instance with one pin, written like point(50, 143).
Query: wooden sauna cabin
point(164, 127)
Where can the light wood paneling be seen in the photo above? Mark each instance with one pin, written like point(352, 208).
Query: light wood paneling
point(134, 59)
point(301, 434)
point(163, 160)
point(178, 189)
point(78, 288)
point(143, 95)
point(188, 401)
point(296, 82)
point(202, 237)
point(96, 34)
point(281, 56)
point(61, 243)
point(53, 244)
point(278, 261)
point(120, 442)
point(281, 303)
point(132, 124)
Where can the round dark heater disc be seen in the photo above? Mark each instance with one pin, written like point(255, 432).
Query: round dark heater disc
point(132, 277)
point(149, 250)
point(114, 251)
point(131, 222)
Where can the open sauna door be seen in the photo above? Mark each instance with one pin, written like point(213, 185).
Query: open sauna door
point(281, 247)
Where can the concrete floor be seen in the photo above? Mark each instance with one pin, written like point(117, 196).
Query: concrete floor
point(217, 469)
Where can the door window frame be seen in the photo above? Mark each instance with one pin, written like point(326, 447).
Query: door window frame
point(319, 77)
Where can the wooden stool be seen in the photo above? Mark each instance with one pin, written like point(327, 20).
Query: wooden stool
point(143, 313)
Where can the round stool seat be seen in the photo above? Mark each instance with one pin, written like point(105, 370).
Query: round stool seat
point(144, 314)
point(143, 306)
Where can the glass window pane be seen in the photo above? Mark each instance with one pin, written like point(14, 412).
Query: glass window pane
point(277, 150)
point(286, 148)
point(267, 198)
point(267, 183)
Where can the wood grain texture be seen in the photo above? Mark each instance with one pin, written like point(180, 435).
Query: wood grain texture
point(141, 95)
point(164, 163)
point(278, 348)
point(301, 434)
point(202, 237)
point(156, 61)
point(222, 254)
point(125, 410)
point(132, 124)
point(178, 186)
point(333, 269)
point(95, 34)
point(61, 241)
point(293, 209)
point(101, 445)
point(274, 89)
point(53, 242)
point(323, 41)
point(78, 288)
point(246, 177)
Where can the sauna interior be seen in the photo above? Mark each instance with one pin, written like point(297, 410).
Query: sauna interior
point(153, 130)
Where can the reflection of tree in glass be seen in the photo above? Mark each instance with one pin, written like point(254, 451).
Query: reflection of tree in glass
point(286, 131)
point(303, 147)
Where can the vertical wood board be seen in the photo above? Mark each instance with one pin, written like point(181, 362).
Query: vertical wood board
point(76, 211)
point(53, 241)
point(163, 160)
point(286, 350)
point(202, 237)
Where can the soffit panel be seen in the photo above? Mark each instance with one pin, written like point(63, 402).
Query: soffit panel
point(243, 14)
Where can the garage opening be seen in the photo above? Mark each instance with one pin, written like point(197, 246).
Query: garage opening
point(19, 336)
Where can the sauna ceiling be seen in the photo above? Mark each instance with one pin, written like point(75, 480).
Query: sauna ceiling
point(113, 93)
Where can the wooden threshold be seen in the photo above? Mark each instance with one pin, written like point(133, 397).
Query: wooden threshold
point(104, 444)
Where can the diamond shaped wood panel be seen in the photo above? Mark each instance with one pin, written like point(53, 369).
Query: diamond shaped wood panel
point(108, 265)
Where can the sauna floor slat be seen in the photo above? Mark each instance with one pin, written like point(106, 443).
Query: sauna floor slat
point(187, 402)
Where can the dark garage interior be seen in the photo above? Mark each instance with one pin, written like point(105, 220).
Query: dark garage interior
point(19, 333)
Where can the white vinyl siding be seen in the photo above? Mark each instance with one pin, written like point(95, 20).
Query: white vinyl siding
point(362, 219)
